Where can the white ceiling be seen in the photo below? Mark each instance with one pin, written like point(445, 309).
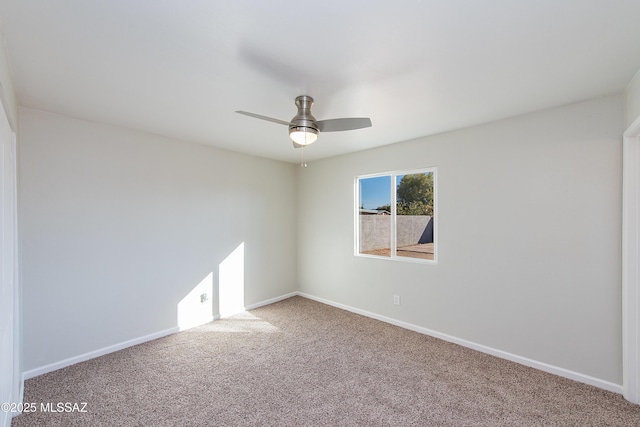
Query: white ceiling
point(180, 68)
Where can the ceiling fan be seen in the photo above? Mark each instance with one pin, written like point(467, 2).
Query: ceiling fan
point(304, 128)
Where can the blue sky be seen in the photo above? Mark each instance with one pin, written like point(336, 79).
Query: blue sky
point(375, 192)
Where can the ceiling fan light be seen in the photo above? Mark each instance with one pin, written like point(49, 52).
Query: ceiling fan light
point(303, 135)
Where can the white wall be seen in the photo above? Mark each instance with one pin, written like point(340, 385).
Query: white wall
point(529, 237)
point(632, 110)
point(119, 226)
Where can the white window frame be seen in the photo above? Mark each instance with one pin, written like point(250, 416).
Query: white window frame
point(392, 224)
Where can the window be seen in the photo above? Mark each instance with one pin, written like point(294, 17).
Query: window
point(396, 215)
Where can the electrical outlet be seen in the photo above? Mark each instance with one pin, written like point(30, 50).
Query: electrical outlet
point(204, 297)
point(396, 299)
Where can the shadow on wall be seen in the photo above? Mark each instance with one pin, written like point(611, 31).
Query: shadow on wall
point(427, 234)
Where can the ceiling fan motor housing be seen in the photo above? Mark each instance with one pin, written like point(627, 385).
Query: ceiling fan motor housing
point(304, 120)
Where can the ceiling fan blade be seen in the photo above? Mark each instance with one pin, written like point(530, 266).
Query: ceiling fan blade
point(334, 125)
point(258, 116)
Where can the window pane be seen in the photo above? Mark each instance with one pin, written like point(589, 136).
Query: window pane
point(375, 216)
point(415, 216)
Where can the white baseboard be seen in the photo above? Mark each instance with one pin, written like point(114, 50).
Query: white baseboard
point(576, 376)
point(271, 301)
point(95, 353)
point(20, 398)
point(110, 349)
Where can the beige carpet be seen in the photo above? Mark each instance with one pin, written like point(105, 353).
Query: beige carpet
point(302, 363)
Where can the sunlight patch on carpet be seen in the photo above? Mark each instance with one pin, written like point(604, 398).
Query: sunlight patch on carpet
point(240, 323)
